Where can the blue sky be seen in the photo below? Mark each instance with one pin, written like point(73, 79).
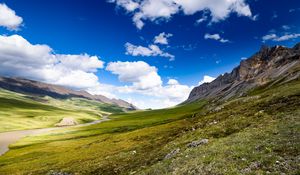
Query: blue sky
point(198, 38)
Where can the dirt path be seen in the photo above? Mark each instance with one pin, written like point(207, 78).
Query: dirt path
point(7, 138)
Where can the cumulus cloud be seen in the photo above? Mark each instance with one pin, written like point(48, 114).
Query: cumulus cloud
point(151, 50)
point(129, 5)
point(154, 10)
point(206, 79)
point(285, 37)
point(19, 57)
point(162, 38)
point(144, 79)
point(8, 18)
point(172, 82)
point(216, 37)
point(139, 73)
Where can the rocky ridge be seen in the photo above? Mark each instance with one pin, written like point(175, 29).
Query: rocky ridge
point(31, 87)
point(269, 65)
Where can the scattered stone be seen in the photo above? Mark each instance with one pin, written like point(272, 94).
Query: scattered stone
point(255, 165)
point(219, 108)
point(172, 153)
point(251, 167)
point(259, 113)
point(197, 143)
point(213, 122)
point(67, 121)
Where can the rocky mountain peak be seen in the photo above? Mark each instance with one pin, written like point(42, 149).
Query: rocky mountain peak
point(268, 64)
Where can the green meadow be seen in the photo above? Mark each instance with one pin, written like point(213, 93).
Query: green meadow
point(19, 111)
point(254, 134)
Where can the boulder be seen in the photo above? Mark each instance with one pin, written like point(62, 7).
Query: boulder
point(197, 143)
point(172, 153)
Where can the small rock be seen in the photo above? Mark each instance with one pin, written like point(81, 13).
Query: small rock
point(172, 153)
point(197, 143)
point(219, 108)
point(254, 165)
point(213, 122)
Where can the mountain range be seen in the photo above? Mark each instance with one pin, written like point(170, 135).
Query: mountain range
point(270, 65)
point(37, 88)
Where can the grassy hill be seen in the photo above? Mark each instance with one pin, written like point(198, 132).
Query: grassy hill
point(19, 111)
point(254, 134)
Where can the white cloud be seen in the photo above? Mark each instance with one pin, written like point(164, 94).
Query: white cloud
point(8, 18)
point(139, 73)
point(206, 79)
point(216, 37)
point(269, 37)
point(255, 17)
point(202, 19)
point(286, 27)
point(144, 80)
point(18, 57)
point(129, 5)
point(162, 38)
point(172, 82)
point(151, 50)
point(274, 37)
point(212, 36)
point(21, 58)
point(153, 10)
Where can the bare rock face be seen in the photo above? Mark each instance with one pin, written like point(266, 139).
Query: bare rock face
point(67, 121)
point(267, 65)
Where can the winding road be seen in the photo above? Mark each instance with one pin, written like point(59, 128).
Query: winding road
point(7, 138)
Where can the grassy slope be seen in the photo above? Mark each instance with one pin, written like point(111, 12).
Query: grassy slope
point(253, 134)
point(18, 112)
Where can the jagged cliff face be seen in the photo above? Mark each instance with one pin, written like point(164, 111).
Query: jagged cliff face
point(268, 65)
point(43, 89)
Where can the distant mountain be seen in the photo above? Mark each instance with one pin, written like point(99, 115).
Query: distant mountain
point(31, 87)
point(269, 66)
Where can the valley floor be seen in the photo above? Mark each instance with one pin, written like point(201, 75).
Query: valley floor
point(7, 138)
point(254, 134)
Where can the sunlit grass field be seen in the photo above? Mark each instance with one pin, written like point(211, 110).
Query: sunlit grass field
point(254, 134)
point(19, 112)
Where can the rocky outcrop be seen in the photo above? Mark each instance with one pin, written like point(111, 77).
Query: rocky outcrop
point(267, 65)
point(197, 143)
point(31, 87)
point(172, 153)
